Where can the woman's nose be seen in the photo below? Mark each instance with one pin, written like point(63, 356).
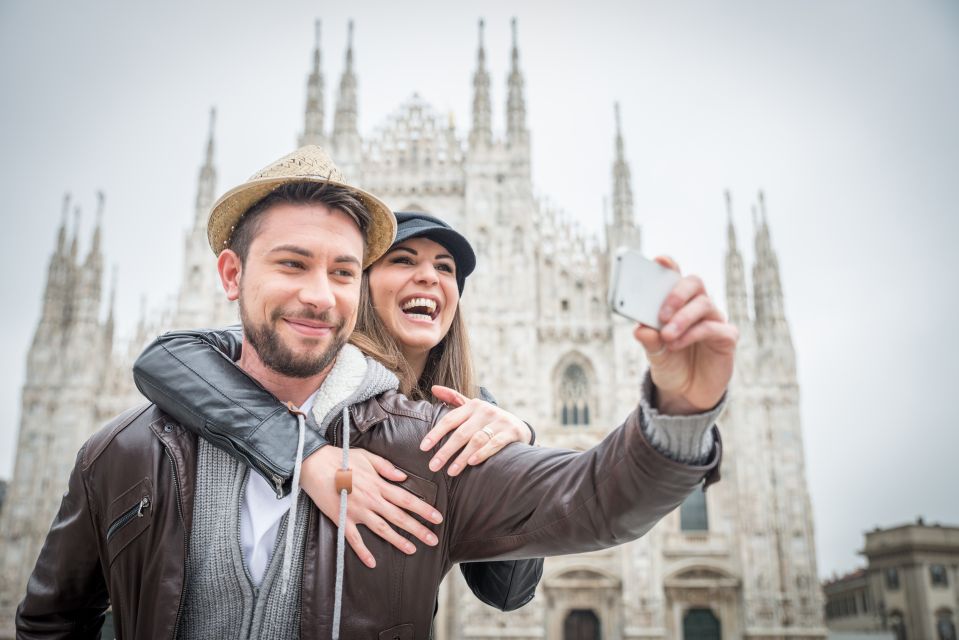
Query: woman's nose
point(426, 273)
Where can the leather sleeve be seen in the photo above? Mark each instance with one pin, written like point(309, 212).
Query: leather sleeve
point(67, 593)
point(527, 501)
point(504, 584)
point(192, 376)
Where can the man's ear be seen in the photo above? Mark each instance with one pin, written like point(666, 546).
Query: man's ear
point(230, 268)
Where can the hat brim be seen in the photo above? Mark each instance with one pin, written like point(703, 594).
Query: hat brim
point(231, 206)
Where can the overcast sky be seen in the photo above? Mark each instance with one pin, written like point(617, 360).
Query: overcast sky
point(844, 112)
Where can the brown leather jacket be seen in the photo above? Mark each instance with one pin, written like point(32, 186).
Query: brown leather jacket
point(122, 532)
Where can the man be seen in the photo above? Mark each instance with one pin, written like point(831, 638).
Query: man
point(151, 522)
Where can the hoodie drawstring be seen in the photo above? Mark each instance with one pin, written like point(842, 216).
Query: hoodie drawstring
point(294, 498)
point(341, 526)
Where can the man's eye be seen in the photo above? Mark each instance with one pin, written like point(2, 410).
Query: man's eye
point(344, 273)
point(292, 264)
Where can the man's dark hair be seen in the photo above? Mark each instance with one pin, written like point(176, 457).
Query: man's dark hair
point(331, 195)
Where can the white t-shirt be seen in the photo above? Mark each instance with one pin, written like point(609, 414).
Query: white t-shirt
point(260, 516)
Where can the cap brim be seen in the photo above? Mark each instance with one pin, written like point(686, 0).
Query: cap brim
point(454, 241)
point(231, 206)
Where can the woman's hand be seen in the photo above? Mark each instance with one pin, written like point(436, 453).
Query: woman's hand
point(374, 502)
point(691, 358)
point(471, 422)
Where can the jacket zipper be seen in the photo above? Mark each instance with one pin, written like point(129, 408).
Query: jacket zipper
point(131, 514)
point(269, 472)
point(276, 479)
point(179, 510)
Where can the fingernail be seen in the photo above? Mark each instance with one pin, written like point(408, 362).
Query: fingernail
point(454, 469)
point(431, 539)
point(410, 549)
point(671, 328)
point(426, 444)
point(370, 562)
point(436, 517)
point(435, 464)
point(473, 459)
point(666, 313)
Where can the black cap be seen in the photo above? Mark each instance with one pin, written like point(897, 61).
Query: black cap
point(415, 224)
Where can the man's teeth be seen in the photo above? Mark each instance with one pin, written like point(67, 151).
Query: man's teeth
point(425, 303)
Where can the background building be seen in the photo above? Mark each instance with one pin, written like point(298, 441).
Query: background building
point(910, 586)
point(736, 562)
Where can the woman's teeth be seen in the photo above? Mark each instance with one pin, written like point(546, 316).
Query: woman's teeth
point(420, 308)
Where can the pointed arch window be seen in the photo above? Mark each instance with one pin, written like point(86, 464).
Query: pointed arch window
point(574, 394)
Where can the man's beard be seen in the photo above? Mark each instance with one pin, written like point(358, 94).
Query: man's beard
point(276, 355)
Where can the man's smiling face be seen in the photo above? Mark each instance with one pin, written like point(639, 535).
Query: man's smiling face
point(299, 287)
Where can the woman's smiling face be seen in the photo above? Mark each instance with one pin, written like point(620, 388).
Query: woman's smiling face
point(414, 292)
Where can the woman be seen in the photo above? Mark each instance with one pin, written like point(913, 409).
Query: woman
point(408, 319)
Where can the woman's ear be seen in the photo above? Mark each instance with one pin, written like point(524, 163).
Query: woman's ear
point(230, 268)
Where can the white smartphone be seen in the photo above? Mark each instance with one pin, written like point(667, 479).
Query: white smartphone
point(638, 287)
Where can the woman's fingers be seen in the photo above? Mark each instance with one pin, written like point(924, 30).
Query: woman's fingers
point(476, 442)
point(382, 528)
point(400, 497)
point(355, 541)
point(385, 468)
point(451, 397)
point(405, 521)
point(470, 418)
point(495, 444)
point(452, 420)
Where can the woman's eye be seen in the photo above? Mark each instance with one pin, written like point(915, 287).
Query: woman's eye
point(402, 260)
point(444, 267)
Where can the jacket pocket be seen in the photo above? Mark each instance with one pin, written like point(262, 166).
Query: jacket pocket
point(422, 488)
point(129, 515)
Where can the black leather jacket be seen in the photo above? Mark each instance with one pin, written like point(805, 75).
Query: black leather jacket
point(191, 375)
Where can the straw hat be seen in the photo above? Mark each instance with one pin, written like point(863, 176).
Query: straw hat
point(307, 164)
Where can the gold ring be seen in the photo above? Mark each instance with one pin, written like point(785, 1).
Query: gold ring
point(488, 432)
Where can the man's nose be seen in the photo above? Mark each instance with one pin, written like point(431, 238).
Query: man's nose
point(317, 292)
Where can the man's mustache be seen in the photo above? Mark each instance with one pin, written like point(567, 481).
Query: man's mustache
point(305, 314)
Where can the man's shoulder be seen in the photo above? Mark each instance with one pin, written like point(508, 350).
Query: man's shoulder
point(129, 431)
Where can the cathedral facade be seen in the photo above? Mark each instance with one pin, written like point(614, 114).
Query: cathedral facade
point(737, 561)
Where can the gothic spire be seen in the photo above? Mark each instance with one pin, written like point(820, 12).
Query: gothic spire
point(482, 130)
point(206, 182)
point(771, 324)
point(74, 244)
point(62, 232)
point(736, 295)
point(622, 189)
point(345, 131)
point(109, 325)
point(315, 114)
point(515, 103)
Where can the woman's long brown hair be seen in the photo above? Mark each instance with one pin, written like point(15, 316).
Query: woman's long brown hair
point(450, 363)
